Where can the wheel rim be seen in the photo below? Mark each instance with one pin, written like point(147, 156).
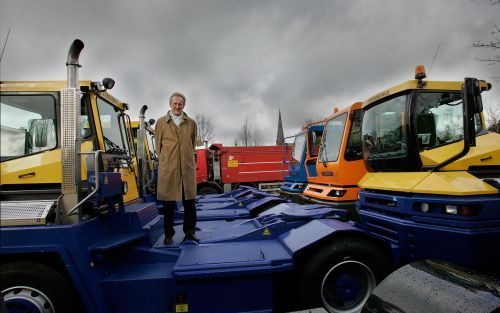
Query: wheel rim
point(346, 287)
point(22, 299)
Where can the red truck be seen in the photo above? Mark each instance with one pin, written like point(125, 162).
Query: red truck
point(220, 169)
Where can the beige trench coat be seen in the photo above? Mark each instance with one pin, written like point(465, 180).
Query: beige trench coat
point(177, 167)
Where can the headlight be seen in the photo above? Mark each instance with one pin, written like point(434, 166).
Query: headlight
point(424, 207)
point(451, 209)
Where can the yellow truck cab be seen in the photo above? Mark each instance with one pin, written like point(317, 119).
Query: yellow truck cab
point(432, 187)
point(33, 122)
point(146, 153)
point(414, 140)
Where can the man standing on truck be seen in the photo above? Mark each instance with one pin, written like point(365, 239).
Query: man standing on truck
point(175, 142)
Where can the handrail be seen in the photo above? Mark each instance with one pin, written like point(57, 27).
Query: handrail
point(96, 173)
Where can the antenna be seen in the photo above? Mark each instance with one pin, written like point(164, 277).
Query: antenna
point(4, 45)
point(435, 55)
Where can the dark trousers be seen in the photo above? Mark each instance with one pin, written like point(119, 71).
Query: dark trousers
point(189, 226)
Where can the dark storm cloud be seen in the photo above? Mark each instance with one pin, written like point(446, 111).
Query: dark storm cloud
point(238, 59)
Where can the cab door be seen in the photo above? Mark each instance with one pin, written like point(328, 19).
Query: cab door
point(115, 139)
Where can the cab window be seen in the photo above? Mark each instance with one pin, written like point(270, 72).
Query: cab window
point(332, 139)
point(353, 150)
point(28, 124)
point(383, 130)
point(112, 124)
point(298, 147)
point(439, 118)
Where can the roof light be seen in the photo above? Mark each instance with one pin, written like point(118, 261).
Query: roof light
point(420, 72)
point(335, 110)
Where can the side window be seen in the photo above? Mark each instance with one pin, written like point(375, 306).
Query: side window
point(354, 150)
point(439, 118)
point(27, 125)
point(151, 143)
point(85, 129)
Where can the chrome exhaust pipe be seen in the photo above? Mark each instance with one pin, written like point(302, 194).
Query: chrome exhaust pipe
point(71, 138)
point(141, 149)
point(72, 63)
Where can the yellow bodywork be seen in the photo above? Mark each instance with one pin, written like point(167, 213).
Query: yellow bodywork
point(135, 127)
point(414, 84)
point(40, 168)
point(442, 183)
point(485, 153)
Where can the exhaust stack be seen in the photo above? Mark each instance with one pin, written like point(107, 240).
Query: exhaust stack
point(72, 63)
point(141, 149)
point(71, 137)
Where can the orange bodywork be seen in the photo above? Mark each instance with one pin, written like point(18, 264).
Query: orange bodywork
point(337, 181)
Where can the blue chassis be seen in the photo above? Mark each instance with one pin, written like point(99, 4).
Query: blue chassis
point(119, 262)
point(414, 235)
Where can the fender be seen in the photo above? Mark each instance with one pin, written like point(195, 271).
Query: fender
point(315, 231)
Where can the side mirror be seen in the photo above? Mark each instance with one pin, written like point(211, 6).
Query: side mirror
point(471, 95)
point(151, 121)
point(108, 83)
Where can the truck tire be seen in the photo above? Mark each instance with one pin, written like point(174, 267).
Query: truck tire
point(341, 275)
point(32, 287)
point(208, 190)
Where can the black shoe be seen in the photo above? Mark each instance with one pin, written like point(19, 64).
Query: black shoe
point(191, 237)
point(167, 241)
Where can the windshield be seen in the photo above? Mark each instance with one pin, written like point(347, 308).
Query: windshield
point(314, 139)
point(353, 150)
point(28, 124)
point(151, 143)
point(332, 138)
point(439, 118)
point(383, 130)
point(113, 130)
point(298, 147)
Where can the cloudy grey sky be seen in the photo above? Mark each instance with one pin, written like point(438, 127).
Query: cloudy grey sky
point(238, 58)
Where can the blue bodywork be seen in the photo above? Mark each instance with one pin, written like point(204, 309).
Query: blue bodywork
point(119, 263)
point(296, 180)
point(243, 202)
point(415, 235)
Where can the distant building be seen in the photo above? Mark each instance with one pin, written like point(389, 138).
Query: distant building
point(280, 137)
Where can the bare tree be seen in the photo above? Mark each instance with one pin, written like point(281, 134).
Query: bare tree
point(205, 129)
point(248, 135)
point(493, 115)
point(493, 44)
point(256, 137)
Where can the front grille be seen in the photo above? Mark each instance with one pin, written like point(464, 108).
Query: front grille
point(18, 213)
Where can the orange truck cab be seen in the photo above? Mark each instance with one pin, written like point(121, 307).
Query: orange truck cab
point(340, 162)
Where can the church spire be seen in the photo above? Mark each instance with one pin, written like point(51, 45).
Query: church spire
point(280, 138)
